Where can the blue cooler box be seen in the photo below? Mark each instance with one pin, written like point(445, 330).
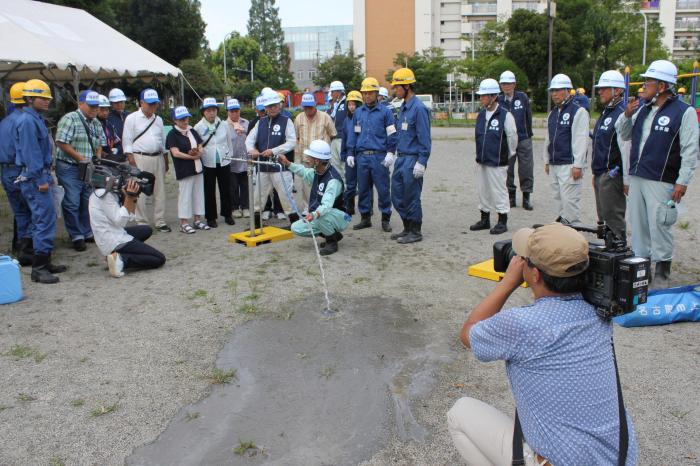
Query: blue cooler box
point(10, 281)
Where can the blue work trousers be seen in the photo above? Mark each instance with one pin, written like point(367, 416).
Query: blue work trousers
point(20, 209)
point(406, 189)
point(371, 173)
point(43, 216)
point(75, 202)
point(350, 183)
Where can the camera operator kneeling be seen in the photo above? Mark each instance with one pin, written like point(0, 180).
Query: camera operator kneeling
point(124, 246)
point(559, 361)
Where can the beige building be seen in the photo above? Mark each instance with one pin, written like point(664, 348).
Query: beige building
point(681, 22)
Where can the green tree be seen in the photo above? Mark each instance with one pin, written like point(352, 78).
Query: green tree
point(501, 64)
point(202, 78)
point(430, 67)
point(346, 68)
point(265, 27)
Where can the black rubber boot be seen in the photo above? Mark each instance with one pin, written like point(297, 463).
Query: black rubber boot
point(663, 270)
point(511, 195)
point(406, 229)
point(25, 251)
point(323, 243)
point(350, 202)
point(40, 271)
point(365, 222)
point(331, 245)
point(527, 205)
point(55, 268)
point(414, 235)
point(386, 225)
point(258, 222)
point(501, 226)
point(483, 224)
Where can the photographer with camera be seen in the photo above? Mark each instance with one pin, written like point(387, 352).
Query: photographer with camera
point(123, 246)
point(559, 361)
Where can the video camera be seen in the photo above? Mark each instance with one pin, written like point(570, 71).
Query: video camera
point(113, 176)
point(616, 280)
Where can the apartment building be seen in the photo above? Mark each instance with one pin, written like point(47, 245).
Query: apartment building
point(681, 22)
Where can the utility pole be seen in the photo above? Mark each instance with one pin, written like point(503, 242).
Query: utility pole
point(644, 47)
point(551, 14)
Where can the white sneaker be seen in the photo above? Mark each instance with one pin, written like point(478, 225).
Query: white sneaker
point(281, 216)
point(246, 213)
point(237, 213)
point(266, 215)
point(116, 265)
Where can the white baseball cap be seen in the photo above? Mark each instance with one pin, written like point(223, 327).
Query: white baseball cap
point(117, 95)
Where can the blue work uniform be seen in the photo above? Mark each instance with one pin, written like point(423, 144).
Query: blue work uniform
point(34, 157)
point(583, 101)
point(373, 135)
point(350, 172)
point(339, 112)
point(413, 146)
point(116, 120)
point(10, 172)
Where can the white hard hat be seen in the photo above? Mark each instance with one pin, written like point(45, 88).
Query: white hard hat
point(507, 77)
point(384, 92)
point(104, 101)
point(337, 86)
point(488, 86)
point(270, 97)
point(319, 149)
point(611, 78)
point(663, 70)
point(117, 95)
point(561, 81)
point(266, 89)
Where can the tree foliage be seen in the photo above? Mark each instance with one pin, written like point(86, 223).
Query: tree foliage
point(430, 67)
point(265, 27)
point(202, 78)
point(345, 68)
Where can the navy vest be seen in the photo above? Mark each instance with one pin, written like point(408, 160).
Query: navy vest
point(518, 106)
point(606, 152)
point(318, 189)
point(491, 140)
point(660, 158)
point(270, 135)
point(559, 124)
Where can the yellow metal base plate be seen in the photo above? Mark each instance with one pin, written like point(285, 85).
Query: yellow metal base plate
point(485, 270)
point(262, 236)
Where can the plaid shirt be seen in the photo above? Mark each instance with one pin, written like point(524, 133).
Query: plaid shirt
point(72, 131)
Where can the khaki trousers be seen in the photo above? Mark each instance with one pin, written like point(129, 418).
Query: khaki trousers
point(153, 164)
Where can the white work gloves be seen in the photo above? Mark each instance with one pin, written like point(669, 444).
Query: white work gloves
point(350, 161)
point(389, 159)
point(418, 170)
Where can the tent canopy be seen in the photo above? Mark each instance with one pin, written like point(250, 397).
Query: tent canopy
point(56, 43)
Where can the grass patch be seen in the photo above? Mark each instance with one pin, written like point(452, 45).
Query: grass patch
point(191, 416)
point(232, 286)
point(25, 397)
point(679, 414)
point(327, 372)
point(248, 308)
point(4, 407)
point(83, 359)
point(77, 403)
point(200, 293)
point(23, 351)
point(244, 447)
point(684, 225)
point(102, 410)
point(220, 376)
point(440, 189)
point(251, 297)
point(57, 461)
point(358, 280)
point(92, 264)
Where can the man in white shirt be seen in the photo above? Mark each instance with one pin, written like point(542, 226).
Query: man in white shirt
point(565, 149)
point(144, 146)
point(123, 246)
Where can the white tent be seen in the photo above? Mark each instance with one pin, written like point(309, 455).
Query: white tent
point(61, 44)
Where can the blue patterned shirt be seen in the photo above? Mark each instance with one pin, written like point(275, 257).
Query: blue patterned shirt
point(560, 366)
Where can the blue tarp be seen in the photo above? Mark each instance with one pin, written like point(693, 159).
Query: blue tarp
point(680, 304)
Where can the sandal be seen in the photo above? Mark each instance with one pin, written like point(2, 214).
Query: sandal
point(199, 225)
point(187, 229)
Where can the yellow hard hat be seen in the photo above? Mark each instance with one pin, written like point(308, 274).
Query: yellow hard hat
point(16, 93)
point(681, 90)
point(403, 76)
point(369, 85)
point(572, 92)
point(355, 95)
point(37, 88)
point(581, 91)
point(281, 96)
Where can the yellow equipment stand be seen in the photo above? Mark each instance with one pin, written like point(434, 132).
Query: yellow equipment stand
point(262, 236)
point(485, 270)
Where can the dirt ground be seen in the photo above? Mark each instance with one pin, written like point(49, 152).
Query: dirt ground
point(96, 368)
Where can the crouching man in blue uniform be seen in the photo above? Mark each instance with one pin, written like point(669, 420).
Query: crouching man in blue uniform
point(663, 158)
point(327, 216)
point(413, 149)
point(34, 156)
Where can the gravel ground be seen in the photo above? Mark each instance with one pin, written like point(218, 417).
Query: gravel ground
point(94, 368)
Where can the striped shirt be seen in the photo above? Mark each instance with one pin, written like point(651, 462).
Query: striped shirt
point(320, 127)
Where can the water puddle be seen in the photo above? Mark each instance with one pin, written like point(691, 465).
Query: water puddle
point(309, 391)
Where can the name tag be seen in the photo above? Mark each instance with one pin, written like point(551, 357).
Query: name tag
point(404, 125)
point(357, 128)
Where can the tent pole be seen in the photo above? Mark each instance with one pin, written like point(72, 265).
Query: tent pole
point(76, 83)
point(182, 89)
